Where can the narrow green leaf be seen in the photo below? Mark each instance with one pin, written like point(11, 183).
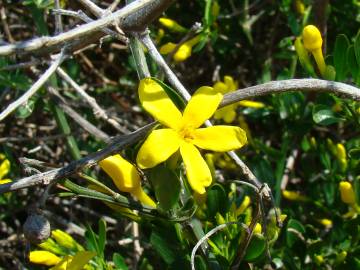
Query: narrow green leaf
point(340, 62)
point(102, 235)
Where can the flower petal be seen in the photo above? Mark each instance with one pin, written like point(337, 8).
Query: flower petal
point(167, 48)
point(201, 106)
point(231, 84)
point(158, 147)
point(197, 171)
point(219, 138)
point(122, 172)
point(43, 257)
point(156, 102)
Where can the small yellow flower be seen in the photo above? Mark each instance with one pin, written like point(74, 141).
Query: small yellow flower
point(347, 192)
point(43, 257)
point(258, 228)
point(251, 104)
point(126, 178)
point(184, 132)
point(183, 52)
point(4, 166)
point(293, 196)
point(172, 25)
point(312, 40)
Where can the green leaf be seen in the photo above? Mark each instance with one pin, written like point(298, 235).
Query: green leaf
point(322, 115)
point(166, 185)
point(340, 62)
point(352, 64)
point(294, 232)
point(216, 200)
point(119, 262)
point(102, 235)
point(173, 95)
point(163, 247)
point(80, 260)
point(256, 247)
point(357, 48)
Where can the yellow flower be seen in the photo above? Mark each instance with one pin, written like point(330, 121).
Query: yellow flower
point(126, 178)
point(293, 196)
point(184, 132)
point(43, 257)
point(347, 192)
point(312, 40)
point(183, 52)
point(172, 25)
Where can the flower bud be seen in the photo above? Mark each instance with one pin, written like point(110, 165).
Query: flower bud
point(65, 240)
point(245, 203)
point(125, 177)
point(312, 38)
point(172, 25)
point(43, 257)
point(293, 196)
point(347, 192)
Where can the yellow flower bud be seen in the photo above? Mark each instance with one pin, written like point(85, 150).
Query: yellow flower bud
point(43, 257)
point(215, 9)
point(251, 104)
point(312, 38)
point(341, 151)
point(293, 196)
point(326, 222)
point(347, 192)
point(258, 228)
point(245, 203)
point(4, 168)
point(65, 240)
point(125, 177)
point(312, 42)
point(183, 53)
point(319, 260)
point(340, 258)
point(299, 7)
point(172, 25)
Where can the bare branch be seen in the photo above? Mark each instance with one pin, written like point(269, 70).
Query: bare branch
point(137, 13)
point(35, 87)
point(98, 111)
point(119, 143)
point(303, 85)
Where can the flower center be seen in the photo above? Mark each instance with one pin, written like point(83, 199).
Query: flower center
point(187, 133)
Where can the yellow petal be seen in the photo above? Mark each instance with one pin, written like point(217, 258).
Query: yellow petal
point(167, 48)
point(4, 168)
point(197, 171)
point(230, 83)
point(221, 87)
point(226, 113)
point(172, 25)
point(143, 197)
point(63, 264)
point(158, 147)
point(122, 172)
point(156, 102)
point(201, 107)
point(312, 38)
point(80, 260)
point(219, 138)
point(43, 257)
